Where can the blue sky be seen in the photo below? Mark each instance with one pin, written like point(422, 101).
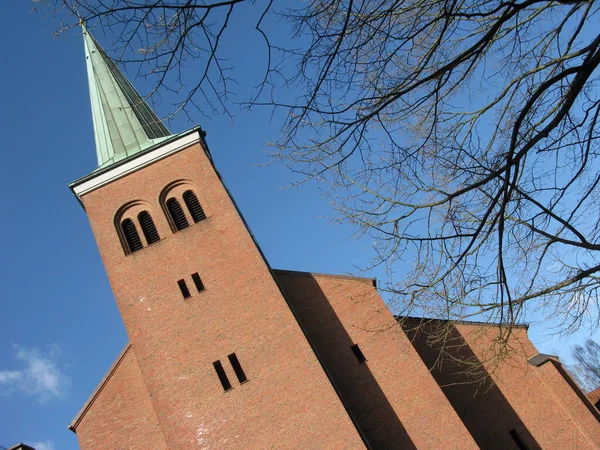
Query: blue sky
point(61, 329)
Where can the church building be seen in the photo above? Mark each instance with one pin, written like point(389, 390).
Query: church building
point(226, 352)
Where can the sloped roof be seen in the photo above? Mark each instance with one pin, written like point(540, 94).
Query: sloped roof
point(87, 405)
point(541, 358)
point(124, 124)
point(463, 322)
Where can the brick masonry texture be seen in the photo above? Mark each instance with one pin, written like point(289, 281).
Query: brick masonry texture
point(121, 415)
point(292, 333)
point(288, 401)
point(542, 404)
point(392, 395)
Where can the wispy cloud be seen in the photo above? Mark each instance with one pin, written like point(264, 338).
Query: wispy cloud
point(40, 377)
point(44, 445)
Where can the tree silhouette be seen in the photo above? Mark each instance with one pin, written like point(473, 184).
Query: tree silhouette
point(461, 136)
point(587, 365)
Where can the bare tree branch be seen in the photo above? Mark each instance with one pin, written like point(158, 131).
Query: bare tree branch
point(461, 136)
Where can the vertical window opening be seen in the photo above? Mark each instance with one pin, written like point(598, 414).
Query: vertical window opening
point(148, 227)
point(237, 368)
point(222, 375)
point(191, 201)
point(177, 214)
point(358, 353)
point(198, 282)
point(132, 237)
point(184, 289)
point(513, 433)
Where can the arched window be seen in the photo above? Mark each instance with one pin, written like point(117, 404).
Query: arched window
point(131, 236)
point(148, 227)
point(177, 214)
point(191, 201)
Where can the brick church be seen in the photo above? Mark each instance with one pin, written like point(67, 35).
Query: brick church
point(226, 352)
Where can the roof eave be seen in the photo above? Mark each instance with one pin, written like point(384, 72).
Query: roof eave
point(98, 172)
point(462, 322)
point(96, 392)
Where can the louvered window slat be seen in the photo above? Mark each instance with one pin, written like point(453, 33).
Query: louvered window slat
point(131, 236)
point(148, 227)
point(191, 201)
point(177, 214)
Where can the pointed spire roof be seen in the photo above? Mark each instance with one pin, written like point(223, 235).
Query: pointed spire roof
point(123, 123)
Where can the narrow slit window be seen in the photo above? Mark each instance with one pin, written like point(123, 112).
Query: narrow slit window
point(184, 289)
point(134, 243)
point(177, 214)
point(513, 433)
point(237, 368)
point(358, 353)
point(222, 375)
point(148, 227)
point(198, 282)
point(191, 201)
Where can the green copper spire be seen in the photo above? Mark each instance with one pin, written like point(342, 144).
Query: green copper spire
point(123, 123)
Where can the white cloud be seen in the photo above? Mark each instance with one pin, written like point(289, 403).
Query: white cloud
point(40, 378)
point(9, 377)
point(45, 445)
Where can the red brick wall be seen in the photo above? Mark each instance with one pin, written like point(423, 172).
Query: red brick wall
point(541, 397)
point(581, 419)
point(288, 402)
point(121, 416)
point(535, 401)
point(393, 397)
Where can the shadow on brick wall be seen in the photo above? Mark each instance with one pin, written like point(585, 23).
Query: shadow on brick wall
point(357, 386)
point(482, 407)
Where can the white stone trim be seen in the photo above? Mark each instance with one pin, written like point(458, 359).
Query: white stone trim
point(144, 160)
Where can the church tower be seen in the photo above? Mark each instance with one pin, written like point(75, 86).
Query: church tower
point(226, 353)
point(216, 354)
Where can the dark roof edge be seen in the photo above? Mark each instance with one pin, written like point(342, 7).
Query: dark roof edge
point(462, 322)
point(97, 172)
point(297, 273)
point(542, 358)
point(20, 446)
point(96, 392)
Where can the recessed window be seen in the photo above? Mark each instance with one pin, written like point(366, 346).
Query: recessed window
point(198, 282)
point(358, 353)
point(148, 227)
point(184, 289)
point(237, 368)
point(191, 201)
point(134, 243)
point(179, 219)
point(222, 375)
point(513, 433)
